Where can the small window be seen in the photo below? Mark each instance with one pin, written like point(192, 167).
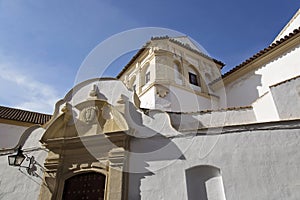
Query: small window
point(147, 77)
point(193, 79)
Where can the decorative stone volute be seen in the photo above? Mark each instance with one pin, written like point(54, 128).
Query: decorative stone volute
point(67, 110)
point(161, 91)
point(93, 92)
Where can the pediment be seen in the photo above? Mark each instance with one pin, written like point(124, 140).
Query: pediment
point(91, 117)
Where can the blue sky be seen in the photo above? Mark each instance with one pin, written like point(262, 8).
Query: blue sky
point(43, 43)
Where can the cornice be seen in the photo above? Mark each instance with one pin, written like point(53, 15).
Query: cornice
point(259, 59)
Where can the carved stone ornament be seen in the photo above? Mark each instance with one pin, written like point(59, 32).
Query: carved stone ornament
point(155, 48)
point(161, 91)
point(89, 114)
point(67, 109)
point(93, 92)
point(122, 99)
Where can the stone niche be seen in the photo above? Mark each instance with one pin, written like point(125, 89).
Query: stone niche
point(204, 182)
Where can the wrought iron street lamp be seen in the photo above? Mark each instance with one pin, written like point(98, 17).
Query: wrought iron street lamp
point(17, 159)
point(22, 160)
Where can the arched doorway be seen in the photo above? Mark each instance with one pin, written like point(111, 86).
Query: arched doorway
point(89, 185)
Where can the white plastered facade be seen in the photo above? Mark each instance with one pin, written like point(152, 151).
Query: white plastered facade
point(237, 138)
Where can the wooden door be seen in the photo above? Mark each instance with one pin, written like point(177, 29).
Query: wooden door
point(85, 186)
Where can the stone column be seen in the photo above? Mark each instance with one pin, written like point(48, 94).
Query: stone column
point(116, 189)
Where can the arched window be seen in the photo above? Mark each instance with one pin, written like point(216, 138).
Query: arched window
point(89, 185)
point(204, 182)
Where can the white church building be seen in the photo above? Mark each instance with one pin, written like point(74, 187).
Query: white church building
point(169, 126)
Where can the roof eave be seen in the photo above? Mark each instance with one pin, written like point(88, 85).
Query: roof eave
point(276, 45)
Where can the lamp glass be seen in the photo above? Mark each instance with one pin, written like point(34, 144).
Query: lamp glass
point(16, 160)
point(11, 160)
point(19, 159)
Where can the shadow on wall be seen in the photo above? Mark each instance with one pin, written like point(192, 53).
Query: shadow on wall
point(150, 150)
point(148, 146)
point(183, 122)
point(205, 183)
point(243, 91)
point(286, 96)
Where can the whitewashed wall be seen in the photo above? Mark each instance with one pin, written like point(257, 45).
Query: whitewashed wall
point(246, 89)
point(148, 99)
point(254, 164)
point(293, 24)
point(193, 121)
point(287, 99)
point(10, 135)
point(181, 100)
point(16, 183)
point(265, 109)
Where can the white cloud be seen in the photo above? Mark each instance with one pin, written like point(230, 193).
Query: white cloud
point(21, 90)
point(42, 46)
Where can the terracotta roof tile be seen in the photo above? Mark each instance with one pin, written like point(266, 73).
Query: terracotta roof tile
point(197, 52)
point(146, 110)
point(216, 110)
point(23, 115)
point(285, 81)
point(260, 53)
point(171, 40)
point(131, 61)
point(265, 50)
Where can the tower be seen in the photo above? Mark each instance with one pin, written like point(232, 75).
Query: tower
point(172, 74)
